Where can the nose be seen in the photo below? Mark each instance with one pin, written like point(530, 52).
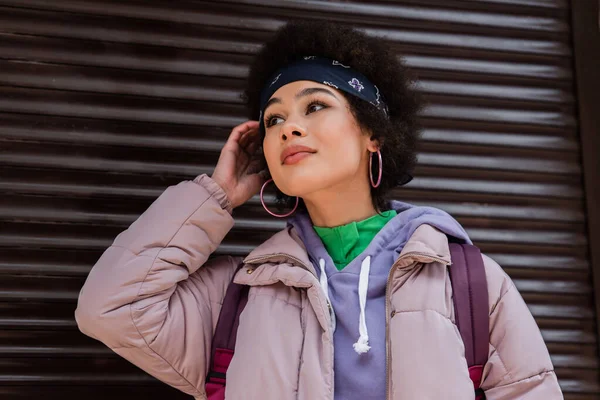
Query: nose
point(291, 129)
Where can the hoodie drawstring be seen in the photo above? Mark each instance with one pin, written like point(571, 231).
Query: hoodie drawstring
point(325, 286)
point(362, 345)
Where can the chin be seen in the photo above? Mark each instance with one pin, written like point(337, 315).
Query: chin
point(293, 189)
point(302, 182)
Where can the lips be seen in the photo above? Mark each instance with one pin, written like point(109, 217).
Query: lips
point(295, 149)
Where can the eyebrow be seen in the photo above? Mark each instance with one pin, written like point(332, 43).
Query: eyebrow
point(302, 93)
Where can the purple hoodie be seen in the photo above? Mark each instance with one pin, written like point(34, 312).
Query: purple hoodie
point(363, 376)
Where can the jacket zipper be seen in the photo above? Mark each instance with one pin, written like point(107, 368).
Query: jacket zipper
point(388, 355)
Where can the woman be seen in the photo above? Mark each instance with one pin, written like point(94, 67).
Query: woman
point(337, 128)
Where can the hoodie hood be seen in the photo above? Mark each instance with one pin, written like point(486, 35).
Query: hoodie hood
point(392, 237)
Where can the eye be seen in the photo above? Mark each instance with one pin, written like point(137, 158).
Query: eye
point(269, 119)
point(315, 104)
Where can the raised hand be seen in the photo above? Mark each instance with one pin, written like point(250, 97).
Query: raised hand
point(240, 170)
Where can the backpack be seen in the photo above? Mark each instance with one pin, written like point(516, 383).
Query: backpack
point(470, 298)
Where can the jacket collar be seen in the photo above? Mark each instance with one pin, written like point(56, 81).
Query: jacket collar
point(284, 246)
point(282, 250)
point(426, 244)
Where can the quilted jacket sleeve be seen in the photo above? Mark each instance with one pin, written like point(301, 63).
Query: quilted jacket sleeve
point(519, 365)
point(152, 297)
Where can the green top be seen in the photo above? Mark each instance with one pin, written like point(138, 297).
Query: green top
point(345, 242)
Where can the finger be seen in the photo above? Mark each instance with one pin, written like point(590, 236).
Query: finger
point(238, 132)
point(248, 138)
point(245, 127)
point(253, 146)
point(251, 149)
point(257, 180)
point(251, 136)
point(245, 138)
point(251, 157)
point(256, 166)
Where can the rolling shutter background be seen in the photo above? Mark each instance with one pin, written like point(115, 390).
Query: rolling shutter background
point(105, 104)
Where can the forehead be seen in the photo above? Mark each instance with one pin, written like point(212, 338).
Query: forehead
point(288, 91)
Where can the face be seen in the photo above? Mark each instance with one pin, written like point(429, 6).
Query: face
point(317, 116)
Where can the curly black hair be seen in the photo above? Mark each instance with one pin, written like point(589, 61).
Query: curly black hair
point(398, 136)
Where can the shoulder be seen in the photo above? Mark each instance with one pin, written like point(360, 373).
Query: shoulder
point(498, 281)
point(215, 276)
point(222, 266)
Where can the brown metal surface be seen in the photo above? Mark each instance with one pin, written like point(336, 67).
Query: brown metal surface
point(586, 42)
point(104, 104)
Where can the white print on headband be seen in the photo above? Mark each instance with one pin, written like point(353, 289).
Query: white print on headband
point(309, 57)
point(275, 80)
point(339, 63)
point(376, 101)
point(355, 83)
point(330, 84)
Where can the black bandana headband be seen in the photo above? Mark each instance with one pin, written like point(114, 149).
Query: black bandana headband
point(328, 72)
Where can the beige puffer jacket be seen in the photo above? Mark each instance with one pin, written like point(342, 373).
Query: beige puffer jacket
point(154, 298)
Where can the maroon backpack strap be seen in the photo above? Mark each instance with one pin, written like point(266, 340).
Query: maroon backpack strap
point(223, 344)
point(470, 297)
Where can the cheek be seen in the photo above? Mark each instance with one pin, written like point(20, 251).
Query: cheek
point(271, 151)
point(344, 155)
point(344, 145)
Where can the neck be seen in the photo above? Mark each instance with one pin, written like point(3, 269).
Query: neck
point(340, 204)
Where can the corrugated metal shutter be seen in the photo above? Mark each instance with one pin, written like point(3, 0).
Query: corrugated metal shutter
point(104, 104)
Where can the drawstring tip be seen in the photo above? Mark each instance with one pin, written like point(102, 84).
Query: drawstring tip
point(362, 346)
